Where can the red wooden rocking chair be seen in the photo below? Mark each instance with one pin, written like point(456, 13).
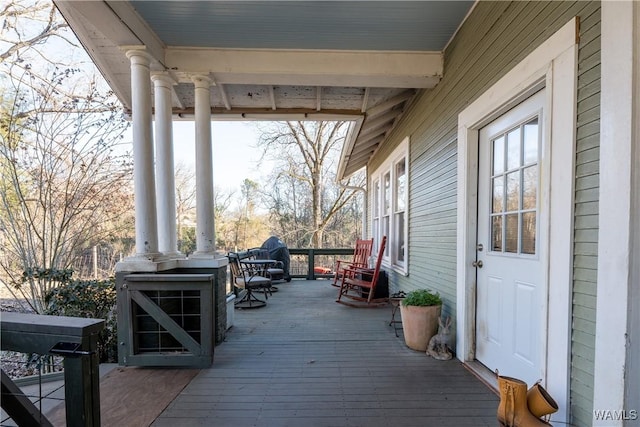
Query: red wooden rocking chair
point(361, 255)
point(359, 284)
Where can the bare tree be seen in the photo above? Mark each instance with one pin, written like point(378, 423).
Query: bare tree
point(224, 219)
point(249, 227)
point(306, 194)
point(185, 182)
point(27, 25)
point(64, 185)
point(64, 174)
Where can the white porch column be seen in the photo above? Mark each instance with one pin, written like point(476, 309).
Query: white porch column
point(616, 366)
point(205, 226)
point(165, 187)
point(143, 173)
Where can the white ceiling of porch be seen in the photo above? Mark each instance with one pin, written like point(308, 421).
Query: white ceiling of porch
point(361, 60)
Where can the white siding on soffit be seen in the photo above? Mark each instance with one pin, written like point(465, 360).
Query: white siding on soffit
point(495, 37)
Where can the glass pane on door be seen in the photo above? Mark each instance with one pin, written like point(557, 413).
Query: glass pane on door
point(514, 189)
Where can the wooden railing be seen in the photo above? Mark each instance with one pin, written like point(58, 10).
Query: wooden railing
point(324, 257)
point(75, 339)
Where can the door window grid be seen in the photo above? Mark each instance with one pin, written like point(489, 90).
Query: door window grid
point(514, 189)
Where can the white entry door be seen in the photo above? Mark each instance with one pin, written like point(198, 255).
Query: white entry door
point(511, 283)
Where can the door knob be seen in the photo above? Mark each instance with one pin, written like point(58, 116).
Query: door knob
point(477, 264)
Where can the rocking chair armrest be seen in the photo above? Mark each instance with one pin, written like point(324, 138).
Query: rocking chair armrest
point(340, 261)
point(358, 268)
point(354, 271)
point(350, 264)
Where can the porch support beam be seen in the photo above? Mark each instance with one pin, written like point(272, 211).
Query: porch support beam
point(143, 171)
point(205, 226)
point(165, 190)
point(310, 67)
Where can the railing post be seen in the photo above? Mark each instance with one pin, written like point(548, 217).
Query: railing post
point(82, 386)
point(311, 274)
point(75, 339)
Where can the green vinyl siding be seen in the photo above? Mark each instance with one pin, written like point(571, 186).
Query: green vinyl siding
point(586, 219)
point(495, 37)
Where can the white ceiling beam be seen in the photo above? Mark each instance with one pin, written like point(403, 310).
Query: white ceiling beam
point(365, 151)
point(347, 147)
point(365, 99)
point(223, 95)
point(366, 146)
point(364, 140)
point(390, 103)
point(371, 125)
point(176, 99)
point(311, 67)
point(272, 95)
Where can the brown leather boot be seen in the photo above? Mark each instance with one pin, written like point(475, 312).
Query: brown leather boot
point(513, 410)
point(539, 401)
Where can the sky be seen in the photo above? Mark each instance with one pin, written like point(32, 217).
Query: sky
point(235, 156)
point(235, 153)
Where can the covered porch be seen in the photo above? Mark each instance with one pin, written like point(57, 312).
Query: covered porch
point(304, 360)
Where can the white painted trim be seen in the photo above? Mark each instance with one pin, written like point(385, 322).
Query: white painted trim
point(310, 67)
point(562, 142)
point(400, 152)
point(127, 20)
point(632, 393)
point(350, 140)
point(272, 116)
point(116, 20)
point(552, 65)
point(230, 307)
point(617, 223)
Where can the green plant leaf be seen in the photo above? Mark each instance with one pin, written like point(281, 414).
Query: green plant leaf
point(422, 298)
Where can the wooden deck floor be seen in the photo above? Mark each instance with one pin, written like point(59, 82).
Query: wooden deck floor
point(304, 360)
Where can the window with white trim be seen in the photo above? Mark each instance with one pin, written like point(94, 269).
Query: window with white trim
point(390, 207)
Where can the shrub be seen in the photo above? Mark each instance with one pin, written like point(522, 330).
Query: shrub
point(89, 298)
point(422, 298)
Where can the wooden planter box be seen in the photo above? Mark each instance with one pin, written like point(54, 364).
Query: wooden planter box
point(166, 320)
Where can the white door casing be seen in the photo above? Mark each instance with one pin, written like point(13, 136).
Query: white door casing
point(553, 66)
point(511, 284)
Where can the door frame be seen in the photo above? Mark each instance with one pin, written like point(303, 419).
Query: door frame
point(553, 65)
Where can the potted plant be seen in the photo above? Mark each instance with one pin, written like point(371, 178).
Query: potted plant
point(420, 311)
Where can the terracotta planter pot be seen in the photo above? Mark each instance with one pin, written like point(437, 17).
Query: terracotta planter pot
point(419, 325)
